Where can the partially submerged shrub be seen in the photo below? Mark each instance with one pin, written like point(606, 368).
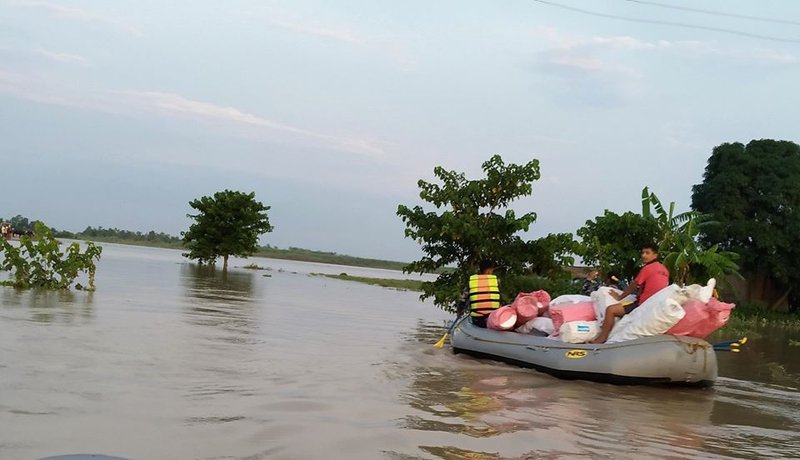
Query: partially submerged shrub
point(40, 262)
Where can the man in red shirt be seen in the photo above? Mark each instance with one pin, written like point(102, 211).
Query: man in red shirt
point(652, 278)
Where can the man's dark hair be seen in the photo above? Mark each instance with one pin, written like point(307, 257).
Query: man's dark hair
point(651, 246)
point(485, 264)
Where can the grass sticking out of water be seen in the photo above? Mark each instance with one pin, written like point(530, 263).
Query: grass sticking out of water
point(748, 321)
point(254, 266)
point(403, 285)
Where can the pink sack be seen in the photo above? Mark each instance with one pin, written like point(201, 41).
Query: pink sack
point(502, 319)
point(542, 296)
point(702, 319)
point(565, 313)
point(527, 307)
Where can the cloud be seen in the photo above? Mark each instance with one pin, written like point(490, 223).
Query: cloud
point(393, 48)
point(341, 35)
point(578, 51)
point(135, 103)
point(607, 70)
point(175, 104)
point(65, 58)
point(77, 14)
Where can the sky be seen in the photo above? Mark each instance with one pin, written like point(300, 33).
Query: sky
point(117, 114)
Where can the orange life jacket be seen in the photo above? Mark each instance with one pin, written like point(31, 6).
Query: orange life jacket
point(484, 295)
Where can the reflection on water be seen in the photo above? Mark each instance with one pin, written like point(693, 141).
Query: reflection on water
point(216, 298)
point(48, 306)
point(209, 283)
point(507, 409)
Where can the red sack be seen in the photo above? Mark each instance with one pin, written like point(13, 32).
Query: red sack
point(502, 319)
point(565, 313)
point(702, 319)
point(527, 307)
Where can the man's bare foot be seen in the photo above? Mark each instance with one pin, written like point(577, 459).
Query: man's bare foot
point(598, 340)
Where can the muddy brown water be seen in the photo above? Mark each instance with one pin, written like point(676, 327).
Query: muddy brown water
point(169, 361)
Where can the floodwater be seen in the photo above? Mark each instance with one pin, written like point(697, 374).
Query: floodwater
point(170, 361)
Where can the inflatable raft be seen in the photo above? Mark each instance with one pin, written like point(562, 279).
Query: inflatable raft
point(661, 359)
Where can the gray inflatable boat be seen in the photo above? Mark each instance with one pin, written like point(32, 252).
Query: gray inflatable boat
point(661, 359)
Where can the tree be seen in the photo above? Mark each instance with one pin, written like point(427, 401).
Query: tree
point(689, 263)
point(226, 224)
point(612, 241)
point(678, 243)
point(548, 256)
point(39, 262)
point(753, 191)
point(472, 223)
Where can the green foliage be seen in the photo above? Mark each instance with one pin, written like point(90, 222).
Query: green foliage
point(549, 255)
point(514, 284)
point(39, 262)
point(474, 224)
point(688, 263)
point(682, 254)
point(227, 224)
point(611, 242)
point(754, 192)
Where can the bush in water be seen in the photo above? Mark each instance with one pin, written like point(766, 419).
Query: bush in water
point(39, 261)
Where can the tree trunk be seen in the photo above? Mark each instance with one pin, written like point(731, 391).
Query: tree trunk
point(756, 288)
point(782, 304)
point(225, 263)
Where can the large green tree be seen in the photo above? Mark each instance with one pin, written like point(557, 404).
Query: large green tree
point(548, 256)
point(228, 223)
point(471, 222)
point(753, 191)
point(612, 241)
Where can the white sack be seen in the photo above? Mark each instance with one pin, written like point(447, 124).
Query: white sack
point(647, 320)
point(578, 331)
point(570, 298)
point(541, 324)
point(670, 292)
point(696, 292)
point(602, 299)
point(544, 325)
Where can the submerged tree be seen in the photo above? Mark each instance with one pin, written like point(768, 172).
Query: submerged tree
point(226, 224)
point(39, 262)
point(472, 223)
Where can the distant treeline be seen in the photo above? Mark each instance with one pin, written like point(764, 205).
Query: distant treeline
point(19, 223)
point(165, 240)
point(115, 235)
point(308, 255)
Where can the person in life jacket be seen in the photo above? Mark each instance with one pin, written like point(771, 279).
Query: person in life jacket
point(484, 294)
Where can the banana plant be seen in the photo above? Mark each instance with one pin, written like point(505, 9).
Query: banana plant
point(686, 260)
